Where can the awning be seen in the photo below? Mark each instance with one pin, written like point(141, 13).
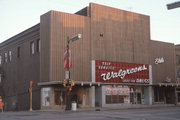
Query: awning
point(81, 83)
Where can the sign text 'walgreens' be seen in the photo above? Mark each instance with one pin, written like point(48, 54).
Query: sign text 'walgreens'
point(122, 73)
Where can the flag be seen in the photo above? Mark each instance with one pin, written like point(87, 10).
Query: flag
point(67, 59)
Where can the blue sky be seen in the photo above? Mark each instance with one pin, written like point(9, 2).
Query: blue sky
point(18, 15)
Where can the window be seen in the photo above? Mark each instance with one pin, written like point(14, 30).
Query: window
point(10, 55)
point(18, 52)
point(178, 73)
point(5, 57)
point(0, 78)
point(38, 45)
point(177, 59)
point(32, 48)
point(117, 95)
point(116, 99)
point(0, 60)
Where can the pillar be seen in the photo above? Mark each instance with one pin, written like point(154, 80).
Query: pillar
point(148, 95)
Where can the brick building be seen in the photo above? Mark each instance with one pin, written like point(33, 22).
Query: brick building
point(115, 62)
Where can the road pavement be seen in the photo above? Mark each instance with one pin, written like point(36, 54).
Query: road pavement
point(163, 113)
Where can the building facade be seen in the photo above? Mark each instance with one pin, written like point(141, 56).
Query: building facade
point(177, 52)
point(115, 62)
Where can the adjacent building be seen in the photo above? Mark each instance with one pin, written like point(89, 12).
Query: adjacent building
point(115, 62)
point(177, 52)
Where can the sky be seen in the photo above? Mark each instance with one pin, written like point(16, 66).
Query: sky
point(19, 15)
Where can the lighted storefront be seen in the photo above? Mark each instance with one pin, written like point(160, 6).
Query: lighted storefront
point(122, 83)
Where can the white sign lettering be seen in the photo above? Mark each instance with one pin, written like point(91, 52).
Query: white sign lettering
point(122, 73)
point(159, 60)
point(117, 91)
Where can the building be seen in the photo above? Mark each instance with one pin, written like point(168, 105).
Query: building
point(115, 62)
point(177, 53)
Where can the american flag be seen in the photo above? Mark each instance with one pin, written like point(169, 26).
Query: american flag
point(67, 59)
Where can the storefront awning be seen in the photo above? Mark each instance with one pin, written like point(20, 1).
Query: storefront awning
point(81, 83)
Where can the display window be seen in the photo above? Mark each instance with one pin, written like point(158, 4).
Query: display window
point(117, 95)
point(45, 96)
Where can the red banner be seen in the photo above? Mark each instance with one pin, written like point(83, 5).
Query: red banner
point(117, 72)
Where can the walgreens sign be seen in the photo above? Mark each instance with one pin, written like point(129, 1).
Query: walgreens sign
point(117, 72)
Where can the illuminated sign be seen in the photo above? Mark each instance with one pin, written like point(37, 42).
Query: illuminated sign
point(159, 60)
point(118, 72)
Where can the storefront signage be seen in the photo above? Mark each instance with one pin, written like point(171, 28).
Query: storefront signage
point(117, 72)
point(159, 60)
point(117, 91)
point(122, 73)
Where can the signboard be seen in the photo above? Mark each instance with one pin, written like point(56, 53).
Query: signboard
point(118, 72)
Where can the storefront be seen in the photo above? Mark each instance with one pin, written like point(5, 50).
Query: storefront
point(56, 96)
point(178, 95)
point(164, 94)
point(122, 83)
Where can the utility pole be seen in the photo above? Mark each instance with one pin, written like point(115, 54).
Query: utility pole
point(68, 83)
point(30, 95)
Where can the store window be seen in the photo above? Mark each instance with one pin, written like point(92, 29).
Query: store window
point(117, 95)
point(45, 96)
point(159, 94)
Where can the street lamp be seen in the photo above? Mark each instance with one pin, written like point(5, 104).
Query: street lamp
point(173, 5)
point(67, 66)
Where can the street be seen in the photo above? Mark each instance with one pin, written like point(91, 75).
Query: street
point(164, 113)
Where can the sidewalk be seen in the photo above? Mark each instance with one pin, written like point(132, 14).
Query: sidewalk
point(127, 107)
point(113, 108)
